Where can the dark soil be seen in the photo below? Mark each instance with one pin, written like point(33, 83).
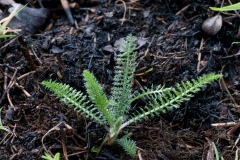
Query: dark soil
point(177, 49)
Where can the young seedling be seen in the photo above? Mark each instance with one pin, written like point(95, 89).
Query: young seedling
point(232, 7)
point(213, 24)
point(218, 156)
point(113, 112)
point(49, 157)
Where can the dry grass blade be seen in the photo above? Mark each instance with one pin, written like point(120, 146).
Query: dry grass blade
point(4, 22)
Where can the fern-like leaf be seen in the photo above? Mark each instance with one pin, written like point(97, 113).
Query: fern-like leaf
point(75, 99)
point(146, 92)
point(97, 96)
point(121, 91)
point(128, 145)
point(169, 98)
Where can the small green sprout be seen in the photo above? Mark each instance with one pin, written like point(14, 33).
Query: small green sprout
point(48, 157)
point(216, 152)
point(227, 8)
point(217, 155)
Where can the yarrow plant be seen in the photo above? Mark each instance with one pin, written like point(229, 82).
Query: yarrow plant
point(113, 112)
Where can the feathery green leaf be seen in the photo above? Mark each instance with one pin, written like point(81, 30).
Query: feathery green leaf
point(128, 145)
point(169, 98)
point(96, 95)
point(75, 99)
point(126, 65)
